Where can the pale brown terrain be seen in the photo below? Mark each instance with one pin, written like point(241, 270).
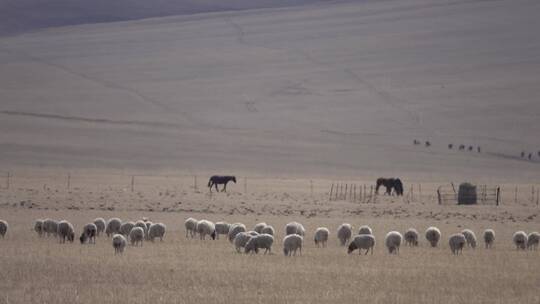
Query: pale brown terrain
point(180, 270)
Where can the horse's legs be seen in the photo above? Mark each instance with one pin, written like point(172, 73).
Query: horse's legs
point(210, 184)
point(217, 190)
point(224, 187)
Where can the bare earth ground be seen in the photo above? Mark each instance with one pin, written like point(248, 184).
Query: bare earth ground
point(180, 270)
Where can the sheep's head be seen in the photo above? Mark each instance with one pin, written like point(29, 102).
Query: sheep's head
point(234, 179)
point(352, 247)
point(82, 238)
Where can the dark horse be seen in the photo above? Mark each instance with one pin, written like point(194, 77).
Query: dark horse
point(217, 179)
point(390, 183)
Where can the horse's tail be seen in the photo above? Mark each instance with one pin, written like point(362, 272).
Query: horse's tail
point(210, 182)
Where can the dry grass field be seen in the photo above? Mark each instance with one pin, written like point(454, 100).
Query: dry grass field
point(180, 270)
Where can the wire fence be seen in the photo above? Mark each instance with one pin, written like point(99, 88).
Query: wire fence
point(359, 191)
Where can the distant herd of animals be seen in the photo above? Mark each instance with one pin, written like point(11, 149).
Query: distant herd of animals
point(470, 148)
point(524, 155)
point(262, 235)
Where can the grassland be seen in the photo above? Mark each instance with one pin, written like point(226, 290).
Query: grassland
point(180, 270)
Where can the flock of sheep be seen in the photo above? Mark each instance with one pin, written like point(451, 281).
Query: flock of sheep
point(120, 231)
point(262, 235)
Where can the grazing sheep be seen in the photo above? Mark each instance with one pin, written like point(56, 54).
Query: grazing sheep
point(38, 227)
point(321, 236)
point(470, 237)
point(520, 240)
point(156, 230)
point(100, 224)
point(268, 230)
point(191, 227)
point(3, 228)
point(411, 237)
point(148, 224)
point(489, 237)
point(142, 224)
point(126, 227)
point(204, 228)
point(119, 243)
point(113, 226)
point(259, 227)
point(65, 231)
point(241, 239)
point(253, 233)
point(393, 241)
point(365, 230)
point(433, 235)
point(50, 227)
point(292, 243)
point(222, 228)
point(89, 233)
point(295, 228)
point(344, 233)
point(235, 229)
point(457, 242)
point(532, 240)
point(136, 236)
point(363, 241)
point(261, 241)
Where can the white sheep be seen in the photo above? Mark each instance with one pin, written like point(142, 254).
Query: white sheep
point(142, 224)
point(50, 227)
point(532, 240)
point(240, 240)
point(89, 233)
point(489, 237)
point(136, 236)
point(126, 227)
point(321, 236)
point(411, 237)
point(204, 228)
point(292, 243)
point(259, 227)
point(100, 224)
point(433, 235)
point(38, 227)
point(470, 237)
point(295, 228)
point(156, 230)
point(235, 229)
point(393, 241)
point(344, 233)
point(261, 241)
point(119, 243)
point(365, 230)
point(191, 227)
point(268, 230)
point(222, 228)
point(113, 226)
point(363, 241)
point(457, 241)
point(520, 240)
point(65, 231)
point(3, 228)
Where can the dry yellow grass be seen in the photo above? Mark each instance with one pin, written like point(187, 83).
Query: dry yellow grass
point(180, 270)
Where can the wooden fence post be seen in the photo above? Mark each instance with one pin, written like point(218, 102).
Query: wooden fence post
point(439, 195)
point(516, 195)
point(420, 192)
point(68, 181)
point(354, 193)
point(195, 182)
point(498, 195)
point(8, 181)
point(331, 190)
point(345, 198)
point(532, 194)
point(132, 183)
